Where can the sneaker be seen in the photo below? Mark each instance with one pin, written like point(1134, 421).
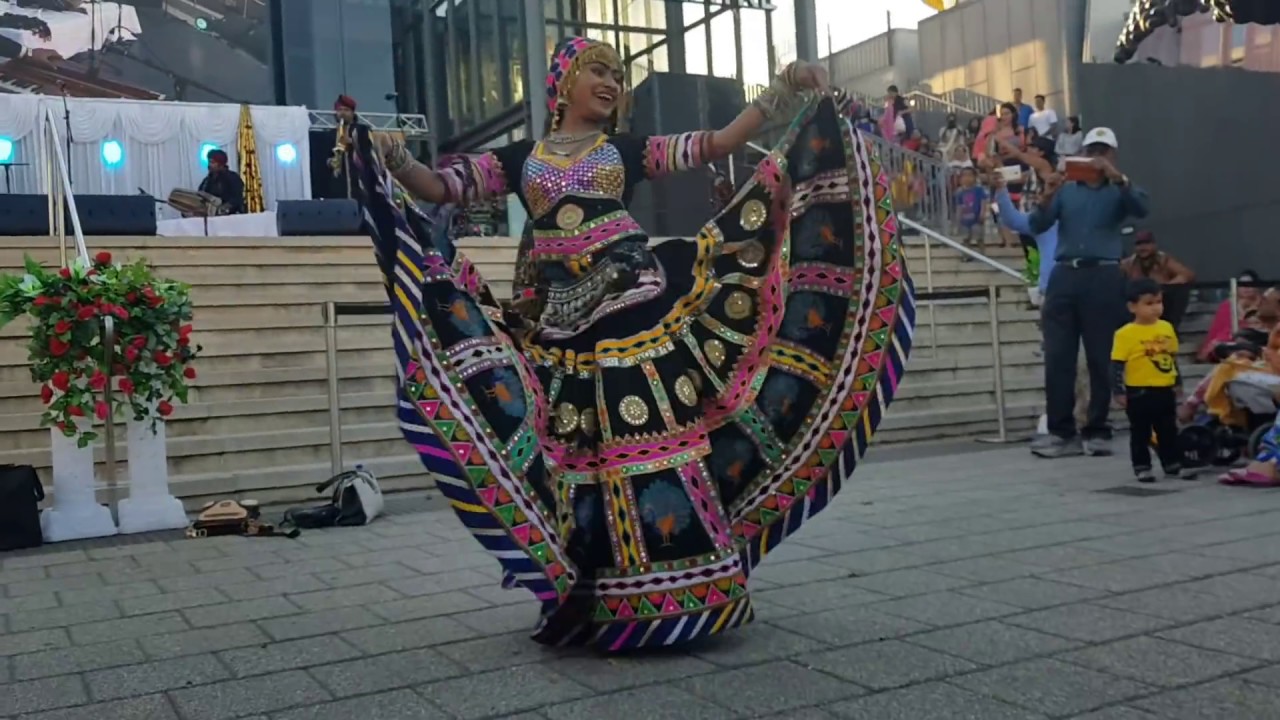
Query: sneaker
point(1145, 476)
point(1097, 447)
point(1052, 446)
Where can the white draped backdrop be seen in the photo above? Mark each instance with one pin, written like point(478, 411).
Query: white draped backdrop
point(161, 141)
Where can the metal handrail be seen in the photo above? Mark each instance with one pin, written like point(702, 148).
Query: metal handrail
point(62, 203)
point(934, 99)
point(958, 246)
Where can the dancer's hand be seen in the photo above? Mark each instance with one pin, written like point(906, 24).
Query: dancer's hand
point(811, 76)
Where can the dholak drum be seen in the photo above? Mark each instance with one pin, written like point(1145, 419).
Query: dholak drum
point(193, 203)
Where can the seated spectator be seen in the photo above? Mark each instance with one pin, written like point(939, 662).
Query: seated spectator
point(950, 137)
point(1149, 261)
point(1071, 140)
point(1263, 471)
point(1247, 300)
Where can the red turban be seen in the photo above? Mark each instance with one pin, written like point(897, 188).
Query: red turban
point(344, 101)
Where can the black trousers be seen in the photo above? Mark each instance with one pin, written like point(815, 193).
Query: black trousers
point(1084, 304)
point(1153, 409)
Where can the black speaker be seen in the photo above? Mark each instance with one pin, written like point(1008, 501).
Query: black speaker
point(117, 214)
point(670, 103)
point(24, 215)
point(318, 217)
point(99, 215)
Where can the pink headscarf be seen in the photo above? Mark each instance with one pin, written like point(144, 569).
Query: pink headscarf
point(567, 60)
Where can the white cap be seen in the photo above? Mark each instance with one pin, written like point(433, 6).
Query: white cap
point(1101, 136)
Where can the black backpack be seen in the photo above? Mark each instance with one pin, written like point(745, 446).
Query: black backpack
point(20, 496)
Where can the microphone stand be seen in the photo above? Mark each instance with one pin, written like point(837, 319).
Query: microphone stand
point(66, 120)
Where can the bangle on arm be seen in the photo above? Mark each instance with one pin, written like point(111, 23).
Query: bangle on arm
point(398, 157)
point(779, 95)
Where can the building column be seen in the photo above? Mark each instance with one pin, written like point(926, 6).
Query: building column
point(675, 35)
point(535, 64)
point(806, 31)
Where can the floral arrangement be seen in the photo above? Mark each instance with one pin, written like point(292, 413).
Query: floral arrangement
point(151, 357)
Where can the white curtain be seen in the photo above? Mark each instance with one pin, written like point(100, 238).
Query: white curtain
point(160, 144)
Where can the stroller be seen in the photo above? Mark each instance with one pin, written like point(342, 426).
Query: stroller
point(1224, 440)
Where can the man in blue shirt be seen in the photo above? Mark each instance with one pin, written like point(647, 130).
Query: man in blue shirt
point(1024, 110)
point(1085, 294)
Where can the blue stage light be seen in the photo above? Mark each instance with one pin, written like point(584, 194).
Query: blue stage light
point(286, 153)
point(6, 150)
point(204, 153)
point(112, 153)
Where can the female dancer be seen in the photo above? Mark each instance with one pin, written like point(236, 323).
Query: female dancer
point(671, 412)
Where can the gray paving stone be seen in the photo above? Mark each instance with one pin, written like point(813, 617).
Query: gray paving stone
point(130, 550)
point(624, 672)
point(344, 597)
point(62, 616)
point(1051, 687)
point(445, 603)
point(757, 643)
point(267, 588)
point(797, 572)
point(1190, 565)
point(57, 557)
point(1221, 700)
point(289, 655)
point(109, 592)
point(1159, 662)
point(993, 642)
point(90, 567)
point(395, 705)
point(205, 640)
point(169, 569)
point(886, 665)
point(1117, 713)
point(1266, 615)
point(1251, 550)
point(366, 575)
point(274, 571)
point(38, 587)
point(1254, 590)
point(22, 574)
point(499, 651)
point(385, 672)
point(502, 619)
point(1090, 623)
point(153, 677)
point(239, 560)
point(502, 692)
point(911, 581)
point(1061, 557)
point(240, 611)
point(1117, 577)
point(945, 608)
point(171, 601)
point(849, 626)
point(653, 703)
point(318, 623)
point(201, 581)
point(76, 659)
point(771, 688)
point(408, 636)
point(867, 562)
point(1237, 636)
point(125, 628)
point(27, 603)
point(1032, 593)
point(36, 641)
point(31, 696)
point(984, 569)
point(819, 596)
point(929, 701)
point(151, 707)
point(234, 698)
point(1266, 676)
point(419, 585)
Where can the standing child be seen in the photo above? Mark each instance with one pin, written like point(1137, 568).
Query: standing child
point(971, 208)
point(1146, 381)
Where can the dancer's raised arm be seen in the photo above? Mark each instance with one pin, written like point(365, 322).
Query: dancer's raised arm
point(460, 179)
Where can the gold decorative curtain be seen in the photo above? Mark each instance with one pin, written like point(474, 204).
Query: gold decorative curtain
point(247, 148)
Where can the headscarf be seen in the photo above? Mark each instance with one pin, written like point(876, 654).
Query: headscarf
point(568, 59)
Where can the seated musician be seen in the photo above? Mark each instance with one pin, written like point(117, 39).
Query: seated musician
point(223, 183)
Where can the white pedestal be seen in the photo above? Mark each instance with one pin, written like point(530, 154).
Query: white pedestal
point(76, 513)
point(149, 505)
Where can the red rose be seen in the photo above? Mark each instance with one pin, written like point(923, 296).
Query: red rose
point(65, 273)
point(75, 411)
point(101, 410)
point(131, 298)
point(119, 369)
point(57, 348)
point(184, 341)
point(138, 342)
point(164, 408)
point(185, 330)
point(62, 327)
point(155, 301)
point(131, 355)
point(62, 426)
point(61, 380)
point(41, 301)
point(102, 258)
point(162, 358)
point(46, 394)
point(98, 381)
point(126, 386)
point(86, 313)
point(120, 312)
point(91, 272)
point(189, 373)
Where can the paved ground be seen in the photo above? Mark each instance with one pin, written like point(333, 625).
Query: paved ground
point(987, 586)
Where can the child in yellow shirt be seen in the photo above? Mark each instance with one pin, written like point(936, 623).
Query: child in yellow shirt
point(1146, 381)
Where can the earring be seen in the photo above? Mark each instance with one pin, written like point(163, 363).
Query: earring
point(561, 104)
